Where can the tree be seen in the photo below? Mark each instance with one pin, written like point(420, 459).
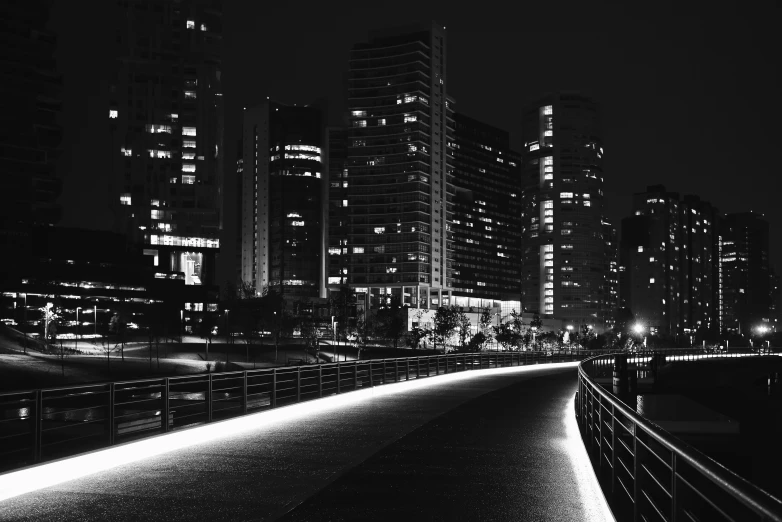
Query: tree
point(310, 334)
point(536, 325)
point(275, 318)
point(445, 322)
point(343, 311)
point(118, 326)
point(464, 325)
point(391, 321)
point(509, 333)
point(206, 331)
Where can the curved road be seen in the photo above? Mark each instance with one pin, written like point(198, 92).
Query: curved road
point(481, 445)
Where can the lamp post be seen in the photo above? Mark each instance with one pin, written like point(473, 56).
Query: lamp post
point(96, 320)
point(639, 329)
point(181, 325)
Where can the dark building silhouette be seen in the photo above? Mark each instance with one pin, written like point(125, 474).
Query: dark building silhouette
point(338, 214)
point(88, 286)
point(30, 136)
point(166, 122)
point(670, 262)
point(487, 209)
point(399, 169)
point(745, 297)
point(563, 248)
point(282, 199)
point(610, 275)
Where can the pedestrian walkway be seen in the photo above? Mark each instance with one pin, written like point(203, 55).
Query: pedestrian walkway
point(497, 444)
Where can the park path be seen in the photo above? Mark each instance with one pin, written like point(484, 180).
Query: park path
point(482, 445)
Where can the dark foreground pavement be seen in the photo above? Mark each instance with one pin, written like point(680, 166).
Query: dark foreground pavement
point(487, 445)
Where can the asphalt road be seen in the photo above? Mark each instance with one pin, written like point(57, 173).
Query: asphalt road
point(482, 445)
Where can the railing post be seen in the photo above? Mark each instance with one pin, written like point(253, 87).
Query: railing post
point(384, 371)
point(244, 393)
point(165, 413)
point(613, 449)
point(209, 400)
point(320, 380)
point(407, 369)
point(338, 378)
point(396, 370)
point(437, 364)
point(371, 380)
point(355, 375)
point(274, 388)
point(112, 413)
point(674, 492)
point(636, 474)
point(600, 434)
point(37, 418)
point(298, 384)
point(417, 367)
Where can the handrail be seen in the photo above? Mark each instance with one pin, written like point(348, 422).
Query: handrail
point(591, 395)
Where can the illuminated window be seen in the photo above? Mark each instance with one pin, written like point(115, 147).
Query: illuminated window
point(124, 199)
point(189, 144)
point(188, 131)
point(173, 180)
point(358, 250)
point(191, 24)
point(548, 110)
point(548, 160)
point(203, 27)
point(188, 155)
point(534, 147)
point(188, 179)
point(587, 203)
point(297, 223)
point(113, 113)
point(380, 230)
point(190, 95)
point(360, 123)
point(359, 114)
point(334, 251)
point(409, 98)
point(154, 129)
point(651, 280)
point(548, 133)
point(640, 249)
point(159, 153)
point(188, 167)
point(410, 118)
point(126, 152)
point(344, 202)
point(381, 121)
point(565, 195)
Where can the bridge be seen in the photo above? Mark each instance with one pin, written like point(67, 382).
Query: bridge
point(419, 438)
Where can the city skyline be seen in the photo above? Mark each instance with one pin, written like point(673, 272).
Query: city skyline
point(661, 69)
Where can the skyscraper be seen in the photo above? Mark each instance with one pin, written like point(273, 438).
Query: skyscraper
point(745, 276)
point(487, 210)
point(651, 255)
point(166, 121)
point(282, 199)
point(610, 303)
point(563, 254)
point(399, 169)
point(29, 142)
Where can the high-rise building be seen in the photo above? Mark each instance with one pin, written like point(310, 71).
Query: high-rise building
point(166, 122)
point(670, 262)
point(745, 276)
point(399, 169)
point(282, 222)
point(699, 267)
point(338, 214)
point(611, 275)
point(30, 95)
point(651, 256)
point(238, 210)
point(487, 210)
point(563, 249)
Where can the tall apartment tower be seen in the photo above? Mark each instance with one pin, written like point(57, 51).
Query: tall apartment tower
point(610, 275)
point(745, 275)
point(399, 169)
point(30, 95)
point(282, 199)
point(487, 210)
point(652, 256)
point(699, 267)
point(166, 122)
point(563, 255)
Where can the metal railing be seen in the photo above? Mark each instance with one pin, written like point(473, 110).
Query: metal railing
point(648, 474)
point(41, 425)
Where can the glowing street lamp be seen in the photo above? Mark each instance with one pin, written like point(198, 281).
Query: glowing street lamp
point(639, 329)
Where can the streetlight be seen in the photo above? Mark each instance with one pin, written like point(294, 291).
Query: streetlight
point(639, 329)
point(96, 320)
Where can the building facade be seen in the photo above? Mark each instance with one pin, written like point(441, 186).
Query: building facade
point(282, 191)
point(746, 280)
point(563, 249)
point(487, 211)
point(398, 175)
point(166, 122)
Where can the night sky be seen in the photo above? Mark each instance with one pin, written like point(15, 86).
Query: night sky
point(690, 98)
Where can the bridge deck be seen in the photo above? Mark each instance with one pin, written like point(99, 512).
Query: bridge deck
point(481, 445)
